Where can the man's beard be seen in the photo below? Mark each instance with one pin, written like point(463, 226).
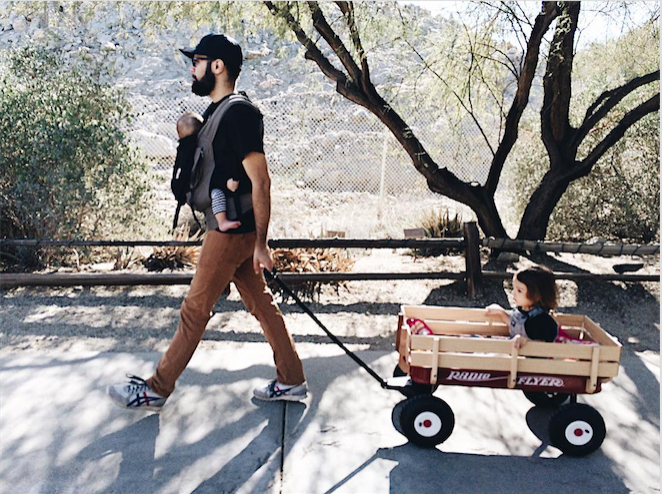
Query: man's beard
point(204, 86)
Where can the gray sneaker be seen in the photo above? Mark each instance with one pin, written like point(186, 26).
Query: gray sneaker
point(276, 391)
point(135, 395)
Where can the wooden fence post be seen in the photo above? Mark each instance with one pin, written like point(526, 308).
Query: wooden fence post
point(472, 259)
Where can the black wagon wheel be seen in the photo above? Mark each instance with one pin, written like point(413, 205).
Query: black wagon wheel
point(396, 416)
point(426, 420)
point(577, 429)
point(546, 400)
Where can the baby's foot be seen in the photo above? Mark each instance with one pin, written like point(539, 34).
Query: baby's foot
point(226, 225)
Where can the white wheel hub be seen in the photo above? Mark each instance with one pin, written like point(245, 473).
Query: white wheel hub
point(427, 424)
point(579, 433)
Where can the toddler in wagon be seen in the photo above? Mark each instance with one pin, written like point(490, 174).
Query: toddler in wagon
point(535, 294)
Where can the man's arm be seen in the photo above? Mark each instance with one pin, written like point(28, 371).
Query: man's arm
point(256, 168)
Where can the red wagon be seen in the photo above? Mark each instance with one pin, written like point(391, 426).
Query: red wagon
point(466, 347)
point(469, 348)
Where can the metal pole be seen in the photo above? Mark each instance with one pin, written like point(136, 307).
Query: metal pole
point(381, 181)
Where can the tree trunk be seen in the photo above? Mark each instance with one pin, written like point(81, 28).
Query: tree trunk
point(560, 138)
point(542, 203)
point(487, 214)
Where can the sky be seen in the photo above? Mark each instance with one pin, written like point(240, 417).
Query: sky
point(594, 27)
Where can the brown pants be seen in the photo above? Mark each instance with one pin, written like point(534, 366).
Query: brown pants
point(226, 258)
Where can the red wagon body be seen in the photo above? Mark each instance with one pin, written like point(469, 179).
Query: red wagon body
point(466, 347)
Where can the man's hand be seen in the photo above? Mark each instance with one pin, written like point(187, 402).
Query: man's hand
point(262, 258)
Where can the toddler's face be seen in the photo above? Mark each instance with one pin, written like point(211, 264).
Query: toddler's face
point(520, 294)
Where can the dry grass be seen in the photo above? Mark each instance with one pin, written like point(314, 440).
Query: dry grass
point(312, 261)
point(127, 258)
point(174, 257)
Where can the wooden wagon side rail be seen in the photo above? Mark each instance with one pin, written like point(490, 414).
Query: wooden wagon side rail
point(497, 362)
point(466, 338)
point(606, 370)
point(455, 344)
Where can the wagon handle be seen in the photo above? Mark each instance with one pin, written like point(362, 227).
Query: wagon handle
point(274, 276)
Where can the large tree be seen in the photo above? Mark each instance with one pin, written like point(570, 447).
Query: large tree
point(566, 144)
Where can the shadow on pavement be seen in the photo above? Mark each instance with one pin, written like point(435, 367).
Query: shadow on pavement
point(431, 471)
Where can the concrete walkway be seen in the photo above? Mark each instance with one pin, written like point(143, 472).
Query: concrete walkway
point(60, 434)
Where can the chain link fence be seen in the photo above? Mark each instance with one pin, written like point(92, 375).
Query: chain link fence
point(330, 152)
point(325, 143)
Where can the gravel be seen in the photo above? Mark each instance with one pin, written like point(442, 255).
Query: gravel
point(144, 318)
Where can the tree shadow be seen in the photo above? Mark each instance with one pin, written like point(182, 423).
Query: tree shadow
point(256, 456)
point(255, 468)
point(429, 470)
point(158, 451)
point(134, 444)
point(432, 471)
point(143, 463)
point(117, 320)
point(123, 297)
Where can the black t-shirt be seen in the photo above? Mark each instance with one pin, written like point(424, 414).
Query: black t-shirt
point(240, 132)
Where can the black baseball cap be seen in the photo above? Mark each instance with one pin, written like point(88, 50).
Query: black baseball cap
point(215, 46)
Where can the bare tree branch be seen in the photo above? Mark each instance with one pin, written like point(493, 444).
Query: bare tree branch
point(606, 101)
point(510, 66)
point(440, 180)
point(541, 25)
point(630, 118)
point(343, 85)
point(336, 44)
point(347, 8)
point(457, 96)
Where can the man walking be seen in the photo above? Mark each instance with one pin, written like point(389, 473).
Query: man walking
point(230, 145)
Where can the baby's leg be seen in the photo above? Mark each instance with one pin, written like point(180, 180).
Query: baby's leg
point(224, 224)
point(218, 208)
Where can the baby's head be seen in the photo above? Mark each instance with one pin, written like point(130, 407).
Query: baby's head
point(188, 124)
point(540, 286)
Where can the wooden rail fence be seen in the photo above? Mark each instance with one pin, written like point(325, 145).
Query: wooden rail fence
point(469, 244)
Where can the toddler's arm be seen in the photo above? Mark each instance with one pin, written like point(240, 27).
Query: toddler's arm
point(500, 312)
point(520, 341)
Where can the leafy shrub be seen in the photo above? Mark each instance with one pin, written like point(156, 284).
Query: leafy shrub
point(66, 167)
point(440, 224)
point(618, 200)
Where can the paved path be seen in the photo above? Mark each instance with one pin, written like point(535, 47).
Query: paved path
point(60, 434)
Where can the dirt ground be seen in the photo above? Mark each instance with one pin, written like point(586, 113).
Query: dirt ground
point(361, 312)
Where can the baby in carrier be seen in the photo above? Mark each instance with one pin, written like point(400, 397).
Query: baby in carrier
point(188, 126)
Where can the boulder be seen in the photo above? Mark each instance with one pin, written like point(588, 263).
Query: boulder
point(156, 146)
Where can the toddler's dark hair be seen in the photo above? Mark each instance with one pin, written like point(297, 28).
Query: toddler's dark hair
point(540, 286)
